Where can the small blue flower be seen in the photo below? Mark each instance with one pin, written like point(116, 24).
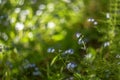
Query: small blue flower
point(36, 73)
point(71, 65)
point(51, 50)
point(69, 51)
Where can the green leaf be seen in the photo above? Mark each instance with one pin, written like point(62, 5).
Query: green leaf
point(53, 60)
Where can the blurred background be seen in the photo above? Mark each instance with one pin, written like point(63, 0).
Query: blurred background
point(59, 40)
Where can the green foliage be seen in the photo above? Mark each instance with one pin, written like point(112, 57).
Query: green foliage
point(59, 40)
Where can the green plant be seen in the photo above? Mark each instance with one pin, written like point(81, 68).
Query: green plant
point(59, 40)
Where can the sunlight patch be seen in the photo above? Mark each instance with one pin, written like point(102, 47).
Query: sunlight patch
point(51, 25)
point(19, 26)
